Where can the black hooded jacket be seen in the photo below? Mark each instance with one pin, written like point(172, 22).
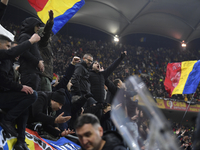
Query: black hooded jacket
point(6, 67)
point(30, 59)
point(113, 140)
point(80, 79)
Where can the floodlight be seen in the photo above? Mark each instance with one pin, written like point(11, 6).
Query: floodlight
point(116, 38)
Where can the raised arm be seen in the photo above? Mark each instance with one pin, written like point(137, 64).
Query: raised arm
point(47, 30)
point(68, 74)
point(114, 65)
point(17, 50)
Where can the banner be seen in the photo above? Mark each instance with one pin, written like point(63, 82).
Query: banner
point(175, 105)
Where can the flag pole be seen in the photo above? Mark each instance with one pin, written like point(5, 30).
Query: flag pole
point(187, 108)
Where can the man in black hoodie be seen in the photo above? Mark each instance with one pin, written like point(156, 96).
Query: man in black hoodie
point(91, 136)
point(80, 79)
point(31, 63)
point(15, 97)
point(97, 77)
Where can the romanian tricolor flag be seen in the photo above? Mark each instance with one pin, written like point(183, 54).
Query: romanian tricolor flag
point(182, 77)
point(63, 10)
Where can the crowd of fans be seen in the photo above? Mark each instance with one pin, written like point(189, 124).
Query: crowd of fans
point(150, 64)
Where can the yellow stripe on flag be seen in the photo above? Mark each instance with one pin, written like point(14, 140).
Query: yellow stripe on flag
point(186, 68)
point(58, 7)
point(30, 143)
point(11, 142)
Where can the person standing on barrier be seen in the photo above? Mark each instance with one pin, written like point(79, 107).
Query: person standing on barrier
point(31, 62)
point(15, 97)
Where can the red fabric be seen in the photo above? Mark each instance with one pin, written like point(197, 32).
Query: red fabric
point(172, 78)
point(55, 75)
point(38, 5)
point(39, 143)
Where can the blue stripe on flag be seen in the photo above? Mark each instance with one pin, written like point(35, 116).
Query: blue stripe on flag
point(193, 79)
point(61, 20)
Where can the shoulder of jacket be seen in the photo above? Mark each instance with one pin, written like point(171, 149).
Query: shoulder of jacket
point(43, 93)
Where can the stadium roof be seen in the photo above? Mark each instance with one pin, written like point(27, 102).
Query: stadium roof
point(175, 19)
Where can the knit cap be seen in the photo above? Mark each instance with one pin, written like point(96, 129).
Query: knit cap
point(59, 96)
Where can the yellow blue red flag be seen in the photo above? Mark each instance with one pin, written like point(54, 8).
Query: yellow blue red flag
point(63, 10)
point(182, 77)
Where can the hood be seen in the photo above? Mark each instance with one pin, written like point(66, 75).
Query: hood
point(28, 25)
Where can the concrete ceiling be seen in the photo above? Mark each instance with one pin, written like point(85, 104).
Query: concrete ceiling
point(175, 19)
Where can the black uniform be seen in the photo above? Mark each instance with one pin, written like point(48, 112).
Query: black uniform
point(29, 60)
point(12, 100)
point(80, 80)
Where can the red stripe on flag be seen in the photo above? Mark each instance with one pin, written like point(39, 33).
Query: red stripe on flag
point(37, 147)
point(172, 78)
point(38, 5)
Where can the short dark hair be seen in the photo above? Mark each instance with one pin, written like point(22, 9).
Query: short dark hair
point(116, 81)
point(4, 39)
point(87, 55)
point(86, 119)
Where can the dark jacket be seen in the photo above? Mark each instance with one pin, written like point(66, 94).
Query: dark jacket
point(46, 50)
point(97, 79)
point(67, 107)
point(107, 123)
point(6, 67)
point(80, 80)
point(64, 81)
point(113, 141)
point(41, 111)
point(30, 59)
